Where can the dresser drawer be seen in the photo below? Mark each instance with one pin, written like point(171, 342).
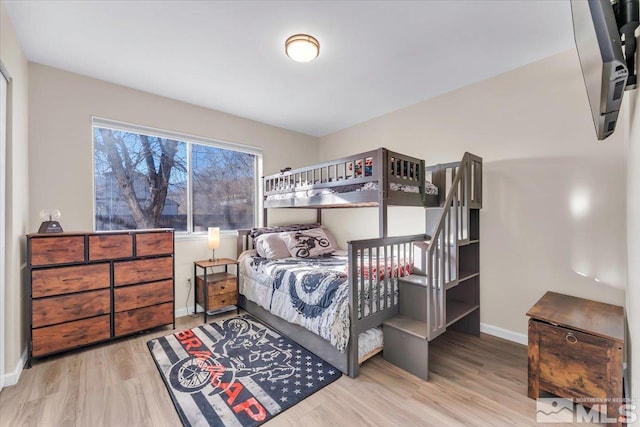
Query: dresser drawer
point(64, 280)
point(127, 322)
point(160, 243)
point(53, 310)
point(136, 296)
point(110, 246)
point(56, 250)
point(53, 339)
point(145, 270)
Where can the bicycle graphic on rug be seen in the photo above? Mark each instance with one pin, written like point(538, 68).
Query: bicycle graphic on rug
point(241, 352)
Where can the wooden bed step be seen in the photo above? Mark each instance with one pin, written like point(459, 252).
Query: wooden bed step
point(412, 302)
point(416, 279)
point(416, 328)
point(406, 345)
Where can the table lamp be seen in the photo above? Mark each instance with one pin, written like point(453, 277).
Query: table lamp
point(214, 241)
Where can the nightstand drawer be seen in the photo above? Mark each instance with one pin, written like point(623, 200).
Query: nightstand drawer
point(221, 292)
point(222, 300)
point(572, 361)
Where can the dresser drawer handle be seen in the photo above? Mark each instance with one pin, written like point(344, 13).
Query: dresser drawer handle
point(571, 339)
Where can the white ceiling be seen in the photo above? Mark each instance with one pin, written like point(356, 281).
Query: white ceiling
point(375, 56)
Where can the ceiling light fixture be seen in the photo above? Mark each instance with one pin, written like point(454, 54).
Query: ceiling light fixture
point(302, 48)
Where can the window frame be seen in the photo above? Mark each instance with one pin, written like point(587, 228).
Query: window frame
point(99, 122)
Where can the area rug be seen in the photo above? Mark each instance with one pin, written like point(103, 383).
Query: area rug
point(236, 372)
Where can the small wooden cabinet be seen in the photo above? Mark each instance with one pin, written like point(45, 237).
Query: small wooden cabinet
point(576, 350)
point(222, 287)
point(86, 288)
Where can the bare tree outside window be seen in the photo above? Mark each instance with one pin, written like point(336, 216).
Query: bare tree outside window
point(141, 182)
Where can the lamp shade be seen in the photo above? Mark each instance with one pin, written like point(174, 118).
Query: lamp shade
point(214, 237)
point(302, 48)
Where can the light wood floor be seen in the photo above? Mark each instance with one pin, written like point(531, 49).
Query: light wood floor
point(474, 381)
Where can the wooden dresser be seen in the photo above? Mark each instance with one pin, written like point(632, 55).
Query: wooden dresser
point(576, 351)
point(85, 288)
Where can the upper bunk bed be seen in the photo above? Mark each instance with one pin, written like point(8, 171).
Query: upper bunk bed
point(379, 178)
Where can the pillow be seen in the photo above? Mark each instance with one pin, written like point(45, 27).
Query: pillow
point(271, 246)
point(332, 240)
point(307, 243)
point(255, 232)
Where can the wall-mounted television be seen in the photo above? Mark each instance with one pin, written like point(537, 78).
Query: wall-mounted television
point(601, 59)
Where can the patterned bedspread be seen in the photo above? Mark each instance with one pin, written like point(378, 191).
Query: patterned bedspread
point(312, 293)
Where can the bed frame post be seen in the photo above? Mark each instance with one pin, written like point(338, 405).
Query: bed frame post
point(319, 216)
point(264, 217)
point(383, 165)
point(352, 362)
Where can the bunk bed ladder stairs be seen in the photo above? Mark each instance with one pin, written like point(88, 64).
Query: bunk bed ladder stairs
point(444, 290)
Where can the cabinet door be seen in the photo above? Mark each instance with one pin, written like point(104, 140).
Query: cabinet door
point(572, 363)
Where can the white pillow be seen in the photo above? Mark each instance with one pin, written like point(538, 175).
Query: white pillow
point(271, 246)
point(307, 243)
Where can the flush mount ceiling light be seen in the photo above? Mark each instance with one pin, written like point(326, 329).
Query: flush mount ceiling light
point(302, 48)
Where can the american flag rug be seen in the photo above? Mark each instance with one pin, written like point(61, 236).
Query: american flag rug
point(236, 372)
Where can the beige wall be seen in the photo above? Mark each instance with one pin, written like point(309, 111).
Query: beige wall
point(61, 157)
point(17, 180)
point(554, 197)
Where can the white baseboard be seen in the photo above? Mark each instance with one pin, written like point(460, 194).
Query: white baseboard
point(11, 378)
point(504, 333)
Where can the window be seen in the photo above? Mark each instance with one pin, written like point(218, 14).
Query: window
point(148, 178)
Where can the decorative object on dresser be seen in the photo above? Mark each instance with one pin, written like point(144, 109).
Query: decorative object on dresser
point(85, 288)
point(236, 372)
point(221, 292)
point(50, 222)
point(576, 351)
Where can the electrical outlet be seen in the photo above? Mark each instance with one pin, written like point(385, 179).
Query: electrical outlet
point(188, 280)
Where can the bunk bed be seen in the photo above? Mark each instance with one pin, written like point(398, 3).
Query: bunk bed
point(365, 280)
point(378, 178)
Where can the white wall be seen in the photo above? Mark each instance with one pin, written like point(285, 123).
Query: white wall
point(554, 197)
point(17, 180)
point(633, 235)
point(61, 157)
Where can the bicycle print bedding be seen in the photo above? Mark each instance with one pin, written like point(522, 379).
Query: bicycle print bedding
point(312, 292)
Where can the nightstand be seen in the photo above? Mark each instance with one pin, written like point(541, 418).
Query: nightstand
point(221, 292)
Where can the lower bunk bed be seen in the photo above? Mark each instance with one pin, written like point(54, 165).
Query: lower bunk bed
point(333, 305)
